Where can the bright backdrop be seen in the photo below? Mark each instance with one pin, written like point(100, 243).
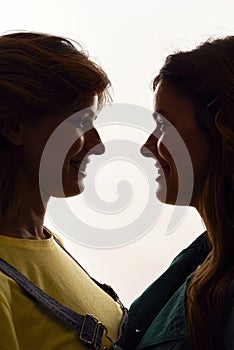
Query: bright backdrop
point(130, 39)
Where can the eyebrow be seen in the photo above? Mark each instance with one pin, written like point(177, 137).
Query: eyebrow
point(161, 111)
point(88, 111)
point(157, 112)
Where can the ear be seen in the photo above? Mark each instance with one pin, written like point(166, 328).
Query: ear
point(13, 132)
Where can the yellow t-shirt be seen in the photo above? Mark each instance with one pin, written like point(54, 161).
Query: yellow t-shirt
point(27, 325)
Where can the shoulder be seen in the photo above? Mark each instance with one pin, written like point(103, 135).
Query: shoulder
point(8, 285)
point(147, 307)
point(181, 267)
point(8, 334)
point(196, 252)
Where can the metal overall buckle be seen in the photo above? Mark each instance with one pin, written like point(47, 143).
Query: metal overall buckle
point(97, 328)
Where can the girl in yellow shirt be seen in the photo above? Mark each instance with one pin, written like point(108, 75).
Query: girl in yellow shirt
point(49, 95)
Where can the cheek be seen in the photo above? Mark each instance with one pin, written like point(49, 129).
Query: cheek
point(201, 158)
point(200, 150)
point(69, 141)
point(32, 152)
point(77, 146)
point(163, 148)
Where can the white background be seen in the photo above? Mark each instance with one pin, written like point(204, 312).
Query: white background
point(130, 39)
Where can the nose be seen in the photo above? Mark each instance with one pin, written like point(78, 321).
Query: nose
point(149, 149)
point(94, 143)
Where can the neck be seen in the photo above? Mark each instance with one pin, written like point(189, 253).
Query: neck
point(28, 221)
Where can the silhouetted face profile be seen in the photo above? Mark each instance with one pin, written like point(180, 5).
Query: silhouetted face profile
point(173, 111)
point(73, 129)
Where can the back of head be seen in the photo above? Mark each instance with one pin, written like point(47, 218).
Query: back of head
point(40, 75)
point(44, 73)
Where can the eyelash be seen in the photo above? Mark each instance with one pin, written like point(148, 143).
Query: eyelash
point(84, 121)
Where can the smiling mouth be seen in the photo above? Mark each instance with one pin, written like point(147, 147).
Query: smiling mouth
point(78, 166)
point(162, 170)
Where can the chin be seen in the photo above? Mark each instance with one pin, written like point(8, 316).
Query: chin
point(167, 197)
point(68, 191)
point(168, 192)
point(168, 200)
point(73, 190)
point(161, 195)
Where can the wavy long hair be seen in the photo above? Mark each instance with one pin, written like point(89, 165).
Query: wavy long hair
point(205, 76)
point(40, 75)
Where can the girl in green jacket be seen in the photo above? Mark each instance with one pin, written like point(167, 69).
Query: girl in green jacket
point(191, 305)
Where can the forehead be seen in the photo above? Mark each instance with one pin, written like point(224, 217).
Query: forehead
point(88, 106)
point(86, 102)
point(168, 101)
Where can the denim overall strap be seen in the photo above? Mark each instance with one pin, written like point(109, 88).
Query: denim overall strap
point(88, 328)
point(110, 291)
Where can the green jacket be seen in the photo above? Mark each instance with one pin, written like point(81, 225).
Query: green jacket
point(157, 319)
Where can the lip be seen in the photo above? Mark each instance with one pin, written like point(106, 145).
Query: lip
point(162, 169)
point(80, 163)
point(79, 170)
point(76, 174)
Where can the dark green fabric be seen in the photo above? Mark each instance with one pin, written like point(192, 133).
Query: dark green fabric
point(157, 319)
